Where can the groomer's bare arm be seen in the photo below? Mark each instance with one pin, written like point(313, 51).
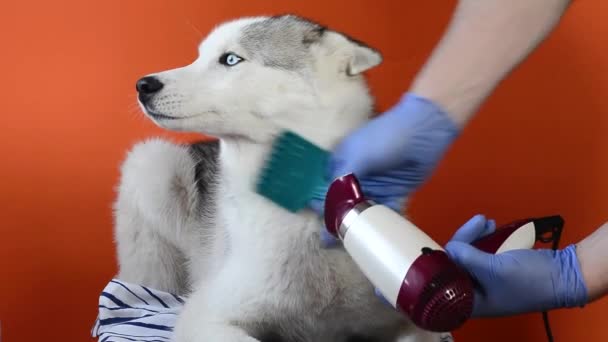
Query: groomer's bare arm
point(485, 40)
point(592, 254)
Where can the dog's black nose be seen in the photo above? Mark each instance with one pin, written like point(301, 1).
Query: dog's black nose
point(148, 85)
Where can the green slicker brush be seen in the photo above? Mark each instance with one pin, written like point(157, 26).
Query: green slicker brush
point(295, 172)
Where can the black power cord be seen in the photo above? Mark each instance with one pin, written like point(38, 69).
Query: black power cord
point(547, 326)
point(557, 224)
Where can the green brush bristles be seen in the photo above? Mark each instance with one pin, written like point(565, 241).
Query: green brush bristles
point(295, 173)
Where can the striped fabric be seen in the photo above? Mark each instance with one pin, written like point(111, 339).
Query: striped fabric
point(130, 312)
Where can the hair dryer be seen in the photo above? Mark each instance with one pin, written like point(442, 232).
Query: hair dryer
point(411, 270)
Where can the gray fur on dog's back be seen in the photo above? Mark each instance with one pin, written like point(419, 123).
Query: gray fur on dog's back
point(205, 155)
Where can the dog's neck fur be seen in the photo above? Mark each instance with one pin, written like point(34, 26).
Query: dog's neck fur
point(241, 161)
point(248, 217)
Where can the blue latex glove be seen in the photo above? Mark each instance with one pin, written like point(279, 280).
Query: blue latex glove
point(394, 153)
point(518, 281)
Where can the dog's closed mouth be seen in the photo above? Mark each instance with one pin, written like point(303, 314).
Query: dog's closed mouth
point(158, 116)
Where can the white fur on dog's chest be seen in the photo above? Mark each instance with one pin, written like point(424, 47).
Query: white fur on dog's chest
point(258, 227)
point(261, 240)
point(260, 235)
point(241, 208)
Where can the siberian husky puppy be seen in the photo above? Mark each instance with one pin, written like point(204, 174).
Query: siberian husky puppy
point(188, 220)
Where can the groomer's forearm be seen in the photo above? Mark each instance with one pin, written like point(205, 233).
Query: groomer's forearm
point(592, 253)
point(485, 40)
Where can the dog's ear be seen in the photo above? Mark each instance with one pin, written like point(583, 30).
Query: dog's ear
point(363, 59)
point(357, 57)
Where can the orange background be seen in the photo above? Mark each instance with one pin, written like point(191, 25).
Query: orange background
point(68, 114)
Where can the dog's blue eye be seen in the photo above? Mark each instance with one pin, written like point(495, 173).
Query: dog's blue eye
point(230, 59)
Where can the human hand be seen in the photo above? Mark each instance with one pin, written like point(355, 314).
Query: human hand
point(517, 281)
point(394, 153)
